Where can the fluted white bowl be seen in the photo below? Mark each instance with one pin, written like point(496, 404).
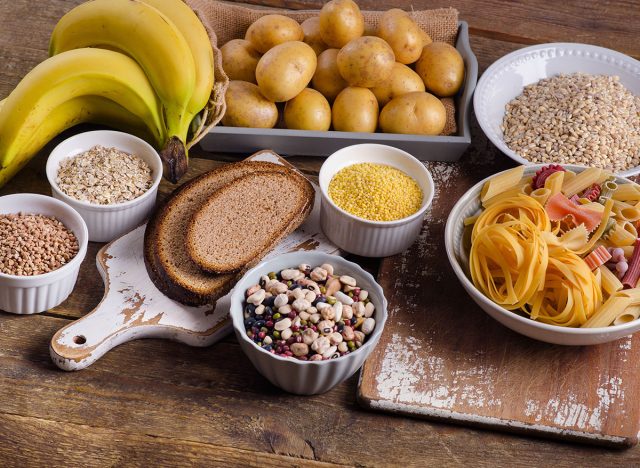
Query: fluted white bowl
point(458, 253)
point(362, 236)
point(307, 377)
point(506, 78)
point(33, 294)
point(107, 222)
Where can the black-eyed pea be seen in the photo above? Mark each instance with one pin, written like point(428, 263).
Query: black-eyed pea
point(328, 354)
point(327, 267)
point(309, 336)
point(358, 309)
point(347, 312)
point(348, 280)
point(368, 325)
point(364, 295)
point(300, 349)
point(326, 327)
point(286, 333)
point(264, 279)
point(310, 285)
point(315, 318)
point(304, 268)
point(369, 309)
point(342, 347)
point(335, 338)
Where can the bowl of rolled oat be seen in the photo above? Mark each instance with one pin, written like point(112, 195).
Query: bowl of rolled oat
point(111, 178)
point(42, 244)
point(563, 103)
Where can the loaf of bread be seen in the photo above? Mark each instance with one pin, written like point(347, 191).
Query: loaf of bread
point(166, 255)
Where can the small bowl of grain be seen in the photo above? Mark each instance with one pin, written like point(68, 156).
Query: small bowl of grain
point(374, 198)
point(42, 244)
point(563, 103)
point(111, 178)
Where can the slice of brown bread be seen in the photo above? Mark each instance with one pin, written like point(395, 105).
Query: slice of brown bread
point(167, 261)
point(242, 221)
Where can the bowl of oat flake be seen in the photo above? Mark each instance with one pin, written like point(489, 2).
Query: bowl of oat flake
point(563, 103)
point(111, 178)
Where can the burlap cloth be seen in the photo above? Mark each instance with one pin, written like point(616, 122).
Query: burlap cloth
point(225, 21)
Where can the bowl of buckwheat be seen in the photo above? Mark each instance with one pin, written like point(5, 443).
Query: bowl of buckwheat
point(307, 321)
point(42, 244)
point(563, 103)
point(111, 178)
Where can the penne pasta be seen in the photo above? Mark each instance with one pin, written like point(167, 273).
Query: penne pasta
point(501, 183)
point(554, 182)
point(607, 312)
point(626, 211)
point(630, 227)
point(581, 181)
point(604, 177)
point(633, 294)
point(610, 282)
point(620, 237)
point(628, 250)
point(627, 192)
point(541, 195)
point(628, 315)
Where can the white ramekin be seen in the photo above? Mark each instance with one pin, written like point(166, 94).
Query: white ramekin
point(307, 377)
point(33, 294)
point(361, 236)
point(107, 222)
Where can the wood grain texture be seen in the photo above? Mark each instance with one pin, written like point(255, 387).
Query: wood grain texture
point(157, 403)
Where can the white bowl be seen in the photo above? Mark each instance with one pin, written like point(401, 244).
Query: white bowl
point(457, 251)
point(107, 222)
point(506, 78)
point(33, 294)
point(361, 236)
point(307, 377)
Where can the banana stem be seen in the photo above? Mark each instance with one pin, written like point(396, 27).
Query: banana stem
point(174, 158)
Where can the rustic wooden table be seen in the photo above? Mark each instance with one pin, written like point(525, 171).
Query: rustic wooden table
point(156, 402)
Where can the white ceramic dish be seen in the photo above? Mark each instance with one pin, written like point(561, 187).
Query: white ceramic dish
point(307, 377)
point(372, 238)
point(457, 251)
point(506, 78)
point(33, 294)
point(106, 222)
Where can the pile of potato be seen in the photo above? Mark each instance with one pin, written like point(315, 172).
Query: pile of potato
point(396, 68)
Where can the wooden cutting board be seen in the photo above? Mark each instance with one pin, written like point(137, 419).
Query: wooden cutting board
point(442, 357)
point(133, 308)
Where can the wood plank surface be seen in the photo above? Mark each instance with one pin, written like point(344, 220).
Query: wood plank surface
point(159, 403)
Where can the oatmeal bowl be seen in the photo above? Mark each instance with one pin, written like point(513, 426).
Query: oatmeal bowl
point(111, 178)
point(563, 103)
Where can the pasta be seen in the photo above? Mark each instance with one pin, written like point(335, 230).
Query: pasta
point(552, 253)
point(501, 182)
point(581, 181)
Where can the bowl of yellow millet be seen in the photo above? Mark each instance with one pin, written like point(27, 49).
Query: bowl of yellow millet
point(374, 198)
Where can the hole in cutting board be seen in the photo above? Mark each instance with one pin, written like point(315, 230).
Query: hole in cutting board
point(79, 339)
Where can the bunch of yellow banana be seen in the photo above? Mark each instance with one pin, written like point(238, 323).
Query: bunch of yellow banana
point(142, 66)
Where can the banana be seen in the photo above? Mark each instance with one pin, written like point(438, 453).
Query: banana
point(148, 36)
point(82, 109)
point(81, 72)
point(197, 38)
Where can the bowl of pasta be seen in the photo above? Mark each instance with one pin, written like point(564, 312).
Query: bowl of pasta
point(551, 252)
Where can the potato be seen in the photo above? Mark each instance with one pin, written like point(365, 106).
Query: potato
point(270, 30)
point(284, 71)
point(402, 34)
point(327, 78)
point(239, 60)
point(403, 80)
point(309, 110)
point(247, 107)
point(366, 61)
point(441, 68)
point(340, 22)
point(417, 113)
point(355, 110)
point(311, 28)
